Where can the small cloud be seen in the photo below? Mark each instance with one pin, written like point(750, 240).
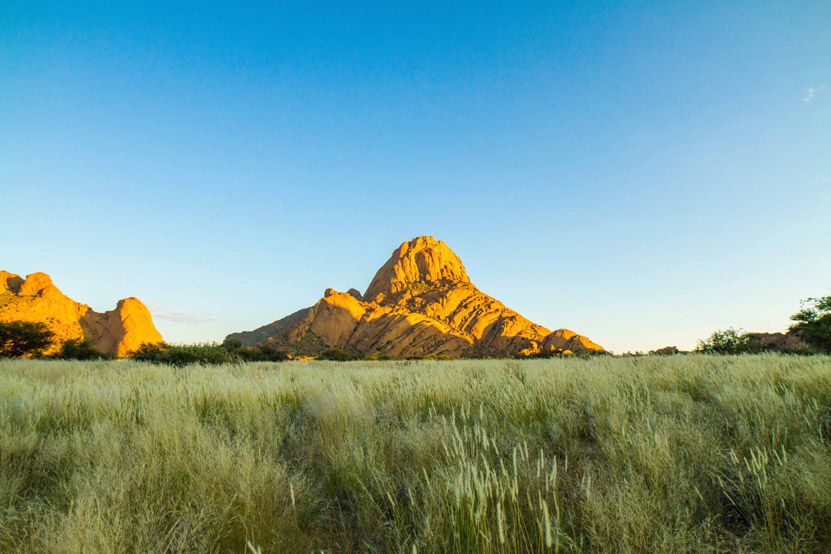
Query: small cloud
point(180, 317)
point(811, 93)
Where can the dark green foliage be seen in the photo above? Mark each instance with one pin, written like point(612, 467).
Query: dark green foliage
point(374, 357)
point(442, 357)
point(813, 323)
point(728, 341)
point(232, 344)
point(232, 352)
point(77, 349)
point(260, 353)
point(336, 355)
point(24, 338)
point(543, 354)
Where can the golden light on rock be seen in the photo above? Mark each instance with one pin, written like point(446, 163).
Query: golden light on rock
point(36, 299)
point(421, 302)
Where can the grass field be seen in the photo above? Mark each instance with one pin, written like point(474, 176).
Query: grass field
point(648, 455)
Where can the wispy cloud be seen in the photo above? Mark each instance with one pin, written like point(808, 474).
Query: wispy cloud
point(159, 312)
point(811, 93)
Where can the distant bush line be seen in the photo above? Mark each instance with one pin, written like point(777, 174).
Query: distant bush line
point(230, 352)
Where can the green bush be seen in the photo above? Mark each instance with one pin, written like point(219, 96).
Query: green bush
point(24, 338)
point(206, 353)
point(335, 355)
point(542, 354)
point(728, 341)
point(78, 349)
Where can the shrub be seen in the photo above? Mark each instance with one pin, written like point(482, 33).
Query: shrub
point(544, 354)
point(336, 355)
point(150, 352)
point(78, 349)
point(727, 341)
point(24, 338)
point(206, 353)
point(374, 357)
point(259, 353)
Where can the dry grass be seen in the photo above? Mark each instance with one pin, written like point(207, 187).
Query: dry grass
point(647, 455)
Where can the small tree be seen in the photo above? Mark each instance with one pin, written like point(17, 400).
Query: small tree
point(727, 341)
point(335, 354)
point(24, 338)
point(77, 349)
point(150, 352)
point(813, 323)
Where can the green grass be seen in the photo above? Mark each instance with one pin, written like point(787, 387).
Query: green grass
point(621, 455)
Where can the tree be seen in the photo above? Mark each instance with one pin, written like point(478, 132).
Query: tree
point(23, 338)
point(335, 354)
point(813, 323)
point(77, 349)
point(727, 341)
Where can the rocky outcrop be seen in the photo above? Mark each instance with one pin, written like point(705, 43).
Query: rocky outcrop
point(422, 261)
point(421, 302)
point(37, 299)
point(261, 334)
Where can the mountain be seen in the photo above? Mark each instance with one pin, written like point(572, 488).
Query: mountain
point(36, 299)
point(421, 302)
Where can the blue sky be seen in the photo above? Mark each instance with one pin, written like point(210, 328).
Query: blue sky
point(642, 173)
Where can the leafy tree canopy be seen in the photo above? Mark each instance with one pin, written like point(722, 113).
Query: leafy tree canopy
point(813, 322)
point(23, 338)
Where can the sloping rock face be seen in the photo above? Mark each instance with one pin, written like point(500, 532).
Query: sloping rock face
point(421, 302)
point(37, 299)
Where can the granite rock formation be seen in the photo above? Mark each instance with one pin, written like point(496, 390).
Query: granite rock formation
point(421, 302)
point(37, 299)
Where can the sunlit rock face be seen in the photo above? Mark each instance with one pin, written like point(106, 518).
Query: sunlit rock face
point(421, 302)
point(37, 299)
point(422, 261)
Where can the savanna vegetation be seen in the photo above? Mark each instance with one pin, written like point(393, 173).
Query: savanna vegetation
point(229, 352)
point(23, 338)
point(813, 323)
point(659, 454)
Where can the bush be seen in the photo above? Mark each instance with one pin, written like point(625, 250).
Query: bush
point(78, 349)
point(24, 338)
point(813, 323)
point(259, 353)
point(543, 354)
point(206, 353)
point(728, 341)
point(336, 355)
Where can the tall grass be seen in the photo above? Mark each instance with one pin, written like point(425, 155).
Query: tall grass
point(637, 455)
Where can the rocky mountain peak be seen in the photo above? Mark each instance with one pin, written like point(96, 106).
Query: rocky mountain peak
point(421, 260)
point(420, 303)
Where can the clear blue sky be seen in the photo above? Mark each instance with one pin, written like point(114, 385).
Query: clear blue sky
point(642, 173)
